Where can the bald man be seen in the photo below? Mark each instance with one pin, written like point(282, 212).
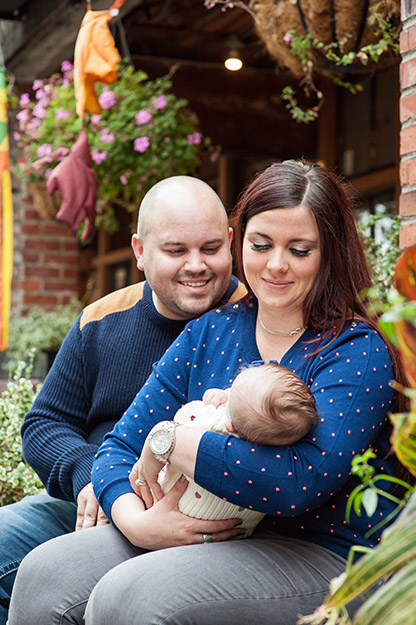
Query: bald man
point(183, 246)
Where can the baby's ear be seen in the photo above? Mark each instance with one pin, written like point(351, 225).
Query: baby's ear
point(229, 426)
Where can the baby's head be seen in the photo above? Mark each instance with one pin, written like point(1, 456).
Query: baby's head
point(270, 405)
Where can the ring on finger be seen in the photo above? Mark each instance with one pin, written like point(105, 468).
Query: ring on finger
point(207, 538)
point(140, 482)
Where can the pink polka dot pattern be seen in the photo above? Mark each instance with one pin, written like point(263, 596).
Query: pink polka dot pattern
point(304, 488)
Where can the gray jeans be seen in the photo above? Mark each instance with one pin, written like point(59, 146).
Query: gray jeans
point(264, 579)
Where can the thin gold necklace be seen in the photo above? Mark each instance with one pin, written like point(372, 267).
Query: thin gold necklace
point(293, 333)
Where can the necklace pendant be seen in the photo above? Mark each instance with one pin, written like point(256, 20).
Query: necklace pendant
point(293, 333)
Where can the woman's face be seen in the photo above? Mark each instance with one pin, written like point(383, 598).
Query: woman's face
point(281, 257)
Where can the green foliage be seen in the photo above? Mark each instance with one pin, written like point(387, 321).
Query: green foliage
point(144, 134)
point(17, 479)
point(366, 494)
point(382, 254)
point(39, 330)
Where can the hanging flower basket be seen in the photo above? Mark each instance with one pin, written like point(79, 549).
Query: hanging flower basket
point(46, 205)
point(344, 28)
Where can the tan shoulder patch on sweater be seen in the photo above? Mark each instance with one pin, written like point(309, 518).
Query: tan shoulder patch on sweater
point(238, 294)
point(120, 300)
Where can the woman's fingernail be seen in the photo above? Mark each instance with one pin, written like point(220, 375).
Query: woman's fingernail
point(183, 478)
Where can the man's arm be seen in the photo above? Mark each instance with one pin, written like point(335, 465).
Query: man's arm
point(54, 432)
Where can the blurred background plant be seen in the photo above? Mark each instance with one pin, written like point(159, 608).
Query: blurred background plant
point(17, 479)
point(144, 133)
point(40, 332)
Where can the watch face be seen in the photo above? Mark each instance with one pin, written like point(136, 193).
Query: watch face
point(161, 441)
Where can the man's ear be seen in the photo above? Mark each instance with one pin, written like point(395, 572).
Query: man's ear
point(137, 247)
point(230, 236)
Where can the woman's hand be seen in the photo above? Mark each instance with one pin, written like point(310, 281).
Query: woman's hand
point(146, 470)
point(163, 525)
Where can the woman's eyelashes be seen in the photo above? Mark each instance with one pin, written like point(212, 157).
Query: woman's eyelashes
point(263, 247)
point(297, 252)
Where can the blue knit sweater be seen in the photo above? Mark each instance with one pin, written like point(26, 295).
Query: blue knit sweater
point(103, 362)
point(303, 488)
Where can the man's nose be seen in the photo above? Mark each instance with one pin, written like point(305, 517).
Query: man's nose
point(195, 262)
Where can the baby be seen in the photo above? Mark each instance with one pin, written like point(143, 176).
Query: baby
point(267, 404)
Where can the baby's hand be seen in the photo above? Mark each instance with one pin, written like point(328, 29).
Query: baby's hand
point(215, 397)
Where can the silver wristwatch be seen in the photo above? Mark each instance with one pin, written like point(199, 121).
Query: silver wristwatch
point(162, 440)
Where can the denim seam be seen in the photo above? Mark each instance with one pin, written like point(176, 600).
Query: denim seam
point(11, 567)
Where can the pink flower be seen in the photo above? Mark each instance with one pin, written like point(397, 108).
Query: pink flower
point(16, 136)
point(123, 180)
point(107, 99)
point(141, 144)
point(37, 84)
point(24, 99)
point(39, 111)
point(23, 116)
point(106, 136)
point(98, 157)
point(160, 102)
point(194, 138)
point(44, 149)
point(143, 117)
point(40, 93)
point(288, 38)
point(95, 119)
point(34, 123)
point(65, 83)
point(66, 66)
point(61, 114)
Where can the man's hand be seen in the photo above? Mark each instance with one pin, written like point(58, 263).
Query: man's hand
point(89, 512)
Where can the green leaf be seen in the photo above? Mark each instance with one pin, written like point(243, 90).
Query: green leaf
point(369, 501)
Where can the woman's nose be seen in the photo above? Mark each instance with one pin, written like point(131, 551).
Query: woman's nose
point(277, 262)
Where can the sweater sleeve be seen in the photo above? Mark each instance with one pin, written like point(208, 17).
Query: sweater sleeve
point(54, 432)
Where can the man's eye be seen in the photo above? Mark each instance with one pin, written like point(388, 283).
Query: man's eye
point(210, 250)
point(296, 252)
point(175, 252)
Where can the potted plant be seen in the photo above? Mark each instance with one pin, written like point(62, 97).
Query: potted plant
point(144, 133)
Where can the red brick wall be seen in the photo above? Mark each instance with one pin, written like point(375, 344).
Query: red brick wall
point(46, 260)
point(407, 204)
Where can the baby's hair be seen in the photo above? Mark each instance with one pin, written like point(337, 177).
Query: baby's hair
point(288, 407)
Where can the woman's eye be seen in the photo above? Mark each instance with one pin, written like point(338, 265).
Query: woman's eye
point(296, 252)
point(260, 247)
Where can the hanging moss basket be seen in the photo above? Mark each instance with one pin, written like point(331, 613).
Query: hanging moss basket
point(343, 25)
point(46, 205)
